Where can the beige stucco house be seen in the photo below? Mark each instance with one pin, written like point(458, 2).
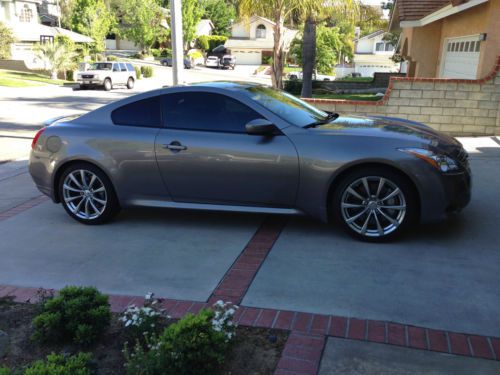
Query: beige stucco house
point(23, 18)
point(448, 38)
point(253, 39)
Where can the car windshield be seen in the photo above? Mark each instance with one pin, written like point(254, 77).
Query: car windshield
point(287, 106)
point(101, 66)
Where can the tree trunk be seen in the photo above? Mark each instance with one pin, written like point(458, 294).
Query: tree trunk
point(278, 54)
point(308, 56)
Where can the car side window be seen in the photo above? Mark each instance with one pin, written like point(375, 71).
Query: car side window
point(130, 67)
point(142, 113)
point(207, 112)
point(116, 67)
point(123, 67)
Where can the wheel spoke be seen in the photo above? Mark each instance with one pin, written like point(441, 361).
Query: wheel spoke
point(103, 202)
point(82, 177)
point(87, 213)
point(77, 208)
point(351, 191)
point(391, 195)
point(357, 216)
point(367, 187)
point(380, 186)
point(75, 181)
point(67, 187)
point(379, 227)
point(71, 199)
point(352, 205)
point(94, 207)
point(390, 219)
point(365, 225)
point(99, 190)
point(398, 207)
point(92, 180)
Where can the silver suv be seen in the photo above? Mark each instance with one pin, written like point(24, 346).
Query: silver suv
point(107, 74)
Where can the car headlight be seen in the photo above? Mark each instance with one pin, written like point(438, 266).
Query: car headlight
point(439, 161)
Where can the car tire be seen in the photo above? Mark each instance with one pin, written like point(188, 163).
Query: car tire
point(362, 202)
point(108, 85)
point(130, 83)
point(87, 194)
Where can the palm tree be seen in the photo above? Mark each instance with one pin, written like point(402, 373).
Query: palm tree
point(56, 57)
point(277, 11)
point(316, 11)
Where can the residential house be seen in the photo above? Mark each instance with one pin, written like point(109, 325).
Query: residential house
point(252, 40)
point(373, 54)
point(448, 38)
point(22, 16)
point(204, 27)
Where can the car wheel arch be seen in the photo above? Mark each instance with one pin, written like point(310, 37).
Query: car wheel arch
point(340, 174)
point(63, 166)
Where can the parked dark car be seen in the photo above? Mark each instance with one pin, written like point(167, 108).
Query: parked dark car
point(228, 61)
point(168, 62)
point(228, 146)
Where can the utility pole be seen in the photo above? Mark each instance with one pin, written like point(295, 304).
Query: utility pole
point(177, 45)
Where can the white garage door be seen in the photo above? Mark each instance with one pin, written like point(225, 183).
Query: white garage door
point(247, 57)
point(461, 58)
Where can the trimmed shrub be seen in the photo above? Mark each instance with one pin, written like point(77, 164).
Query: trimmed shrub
point(79, 315)
point(57, 364)
point(112, 58)
point(155, 52)
point(195, 55)
point(138, 72)
point(196, 344)
point(166, 52)
point(147, 71)
point(70, 75)
point(209, 42)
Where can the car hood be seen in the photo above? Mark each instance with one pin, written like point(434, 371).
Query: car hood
point(388, 127)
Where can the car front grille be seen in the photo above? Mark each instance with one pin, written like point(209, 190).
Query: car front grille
point(461, 156)
point(87, 76)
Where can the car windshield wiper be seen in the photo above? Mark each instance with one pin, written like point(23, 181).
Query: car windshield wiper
point(329, 118)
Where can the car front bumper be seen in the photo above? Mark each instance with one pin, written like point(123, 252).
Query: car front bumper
point(90, 81)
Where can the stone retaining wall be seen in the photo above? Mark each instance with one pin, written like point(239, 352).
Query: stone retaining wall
point(455, 106)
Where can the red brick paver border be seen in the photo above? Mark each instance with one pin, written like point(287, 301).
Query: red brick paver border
point(237, 280)
point(7, 214)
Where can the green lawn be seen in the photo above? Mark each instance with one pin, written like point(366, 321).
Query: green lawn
point(369, 97)
point(289, 69)
point(12, 78)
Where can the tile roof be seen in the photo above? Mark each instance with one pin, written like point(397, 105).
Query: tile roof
point(411, 10)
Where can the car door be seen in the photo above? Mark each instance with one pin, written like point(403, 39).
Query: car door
point(205, 155)
point(117, 74)
point(123, 73)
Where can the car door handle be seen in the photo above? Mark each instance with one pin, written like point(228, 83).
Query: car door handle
point(175, 146)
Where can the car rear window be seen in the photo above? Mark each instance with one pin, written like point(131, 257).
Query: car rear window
point(142, 113)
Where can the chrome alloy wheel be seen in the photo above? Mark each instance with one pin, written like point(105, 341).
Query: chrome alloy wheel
point(84, 194)
point(373, 206)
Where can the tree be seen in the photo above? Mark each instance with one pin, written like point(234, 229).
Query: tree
point(370, 19)
point(277, 11)
point(221, 14)
point(92, 18)
point(192, 10)
point(6, 40)
point(317, 11)
point(140, 21)
point(56, 57)
point(328, 48)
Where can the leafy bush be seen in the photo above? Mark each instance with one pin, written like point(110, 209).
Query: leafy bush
point(112, 58)
point(166, 52)
point(155, 52)
point(70, 75)
point(78, 314)
point(196, 344)
point(5, 371)
point(209, 42)
point(195, 55)
point(138, 72)
point(147, 71)
point(57, 364)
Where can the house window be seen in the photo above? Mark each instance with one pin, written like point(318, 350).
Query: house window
point(379, 46)
point(260, 32)
point(26, 14)
point(389, 47)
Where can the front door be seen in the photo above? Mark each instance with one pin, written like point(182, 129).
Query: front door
point(206, 156)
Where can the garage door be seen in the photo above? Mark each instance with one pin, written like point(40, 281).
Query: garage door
point(247, 57)
point(461, 58)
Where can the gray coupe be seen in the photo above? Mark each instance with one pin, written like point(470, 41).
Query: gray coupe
point(229, 146)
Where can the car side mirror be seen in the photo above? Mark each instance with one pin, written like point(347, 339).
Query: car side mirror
point(261, 127)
